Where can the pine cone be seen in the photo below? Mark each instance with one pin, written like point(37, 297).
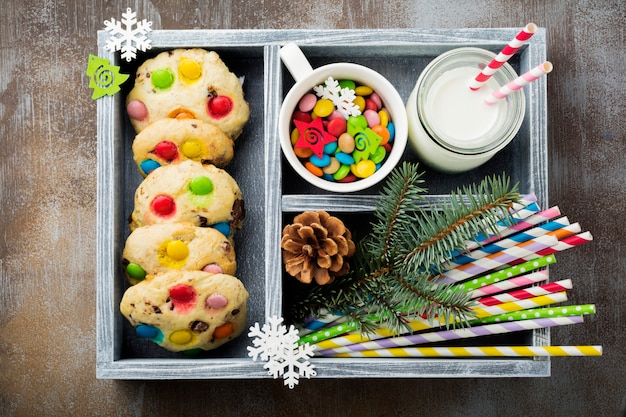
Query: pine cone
point(316, 246)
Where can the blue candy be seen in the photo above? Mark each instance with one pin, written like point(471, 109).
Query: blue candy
point(149, 165)
point(320, 162)
point(344, 158)
point(223, 228)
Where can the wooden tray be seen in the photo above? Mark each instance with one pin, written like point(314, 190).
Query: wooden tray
point(274, 194)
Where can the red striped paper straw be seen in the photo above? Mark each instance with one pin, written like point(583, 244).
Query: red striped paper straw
point(511, 283)
point(503, 56)
point(524, 79)
point(568, 242)
point(523, 294)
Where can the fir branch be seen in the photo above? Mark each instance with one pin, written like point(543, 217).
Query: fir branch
point(394, 265)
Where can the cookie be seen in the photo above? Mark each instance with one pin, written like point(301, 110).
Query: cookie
point(188, 83)
point(169, 141)
point(187, 310)
point(203, 195)
point(150, 250)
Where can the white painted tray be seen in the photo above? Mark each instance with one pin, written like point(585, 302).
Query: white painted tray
point(273, 193)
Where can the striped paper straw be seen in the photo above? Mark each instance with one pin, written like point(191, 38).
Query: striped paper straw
point(514, 240)
point(515, 282)
point(540, 313)
point(419, 324)
point(520, 225)
point(510, 272)
point(518, 83)
point(448, 335)
point(523, 294)
point(506, 53)
point(567, 243)
point(316, 323)
point(477, 351)
point(504, 258)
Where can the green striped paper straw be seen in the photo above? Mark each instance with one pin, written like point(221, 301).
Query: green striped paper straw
point(538, 313)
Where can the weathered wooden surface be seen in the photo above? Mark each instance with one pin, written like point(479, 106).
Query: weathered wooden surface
point(48, 251)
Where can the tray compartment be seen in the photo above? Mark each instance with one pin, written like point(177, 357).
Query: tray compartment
point(274, 193)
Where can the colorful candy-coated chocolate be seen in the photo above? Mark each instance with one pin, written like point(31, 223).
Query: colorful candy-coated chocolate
point(190, 69)
point(201, 185)
point(181, 337)
point(344, 158)
point(147, 331)
point(363, 90)
point(223, 228)
point(191, 148)
point(307, 102)
point(330, 148)
point(213, 269)
point(392, 131)
point(166, 150)
point(336, 127)
point(216, 301)
point(135, 271)
point(137, 110)
point(320, 162)
point(346, 143)
point(224, 331)
point(177, 250)
point(182, 293)
point(162, 78)
point(163, 205)
point(149, 165)
point(219, 106)
point(359, 144)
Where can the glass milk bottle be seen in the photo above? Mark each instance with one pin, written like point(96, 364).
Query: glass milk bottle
point(451, 128)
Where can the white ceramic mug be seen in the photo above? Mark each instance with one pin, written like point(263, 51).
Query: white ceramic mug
point(451, 128)
point(306, 78)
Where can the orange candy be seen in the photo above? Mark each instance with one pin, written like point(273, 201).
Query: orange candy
point(383, 132)
point(317, 171)
point(224, 330)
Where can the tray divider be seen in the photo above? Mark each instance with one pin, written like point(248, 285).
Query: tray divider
point(273, 180)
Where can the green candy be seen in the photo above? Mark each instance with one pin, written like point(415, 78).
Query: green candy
point(135, 271)
point(201, 185)
point(162, 78)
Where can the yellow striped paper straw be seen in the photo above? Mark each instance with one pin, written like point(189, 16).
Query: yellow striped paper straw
point(476, 351)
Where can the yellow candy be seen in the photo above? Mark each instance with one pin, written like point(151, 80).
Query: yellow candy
point(384, 117)
point(324, 107)
point(181, 337)
point(177, 250)
point(190, 69)
point(360, 102)
point(363, 90)
point(295, 135)
point(363, 168)
point(192, 148)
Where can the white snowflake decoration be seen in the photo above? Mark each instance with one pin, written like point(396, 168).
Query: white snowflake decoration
point(278, 346)
point(342, 98)
point(128, 39)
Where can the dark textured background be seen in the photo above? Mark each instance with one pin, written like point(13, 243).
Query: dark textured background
point(48, 221)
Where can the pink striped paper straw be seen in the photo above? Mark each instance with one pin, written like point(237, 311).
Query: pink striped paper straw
point(508, 51)
point(523, 294)
point(447, 335)
point(515, 282)
point(518, 83)
point(523, 224)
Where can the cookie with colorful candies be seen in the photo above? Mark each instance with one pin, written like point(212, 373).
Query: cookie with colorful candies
point(188, 83)
point(189, 191)
point(169, 141)
point(187, 310)
point(158, 248)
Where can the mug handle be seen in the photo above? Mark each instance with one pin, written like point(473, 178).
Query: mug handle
point(295, 61)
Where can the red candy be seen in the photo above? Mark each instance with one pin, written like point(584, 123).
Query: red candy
point(219, 106)
point(302, 116)
point(163, 205)
point(336, 127)
point(166, 150)
point(183, 297)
